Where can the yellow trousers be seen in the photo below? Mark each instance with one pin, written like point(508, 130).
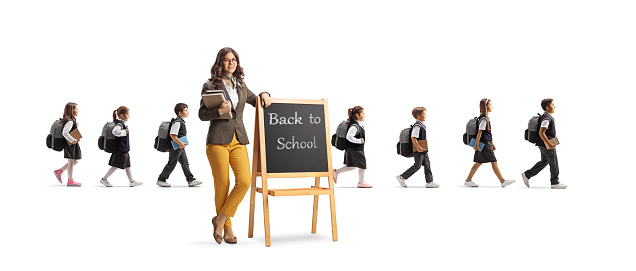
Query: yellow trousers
point(221, 157)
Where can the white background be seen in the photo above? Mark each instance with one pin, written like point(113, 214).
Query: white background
point(387, 56)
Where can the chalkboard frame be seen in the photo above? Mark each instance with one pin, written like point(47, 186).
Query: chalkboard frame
point(259, 169)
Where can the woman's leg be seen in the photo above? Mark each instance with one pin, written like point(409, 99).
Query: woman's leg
point(219, 159)
point(495, 168)
point(240, 164)
point(473, 170)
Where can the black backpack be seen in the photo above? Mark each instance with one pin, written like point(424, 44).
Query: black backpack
point(55, 140)
point(107, 141)
point(404, 145)
point(339, 139)
point(163, 139)
point(471, 130)
point(532, 133)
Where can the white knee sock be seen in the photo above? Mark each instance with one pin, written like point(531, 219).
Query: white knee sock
point(361, 175)
point(344, 169)
point(129, 174)
point(110, 172)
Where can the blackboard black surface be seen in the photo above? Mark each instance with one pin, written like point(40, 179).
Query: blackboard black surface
point(295, 138)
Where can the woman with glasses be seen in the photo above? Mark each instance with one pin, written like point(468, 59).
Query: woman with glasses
point(227, 139)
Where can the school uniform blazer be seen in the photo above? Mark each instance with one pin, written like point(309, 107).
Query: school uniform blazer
point(221, 131)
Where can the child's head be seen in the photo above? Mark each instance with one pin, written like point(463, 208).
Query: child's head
point(71, 110)
point(122, 113)
point(485, 106)
point(419, 113)
point(181, 110)
point(356, 113)
point(548, 105)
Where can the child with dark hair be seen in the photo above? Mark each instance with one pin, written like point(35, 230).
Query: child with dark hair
point(547, 131)
point(120, 157)
point(420, 153)
point(178, 130)
point(487, 153)
point(72, 150)
point(354, 153)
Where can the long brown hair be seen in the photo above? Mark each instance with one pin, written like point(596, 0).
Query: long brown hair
point(68, 114)
point(483, 104)
point(352, 114)
point(217, 69)
point(122, 110)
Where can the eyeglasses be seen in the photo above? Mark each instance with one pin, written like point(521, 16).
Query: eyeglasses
point(233, 60)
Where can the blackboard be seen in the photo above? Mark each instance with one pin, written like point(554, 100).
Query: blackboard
point(295, 138)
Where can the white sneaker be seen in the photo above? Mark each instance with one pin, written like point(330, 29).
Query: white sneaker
point(105, 183)
point(432, 185)
point(471, 184)
point(558, 186)
point(401, 180)
point(507, 183)
point(135, 183)
point(194, 183)
point(162, 184)
point(526, 181)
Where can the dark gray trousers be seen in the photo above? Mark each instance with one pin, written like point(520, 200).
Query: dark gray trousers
point(178, 155)
point(421, 159)
point(548, 157)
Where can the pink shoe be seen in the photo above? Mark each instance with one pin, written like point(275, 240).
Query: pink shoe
point(73, 183)
point(335, 176)
point(364, 185)
point(58, 175)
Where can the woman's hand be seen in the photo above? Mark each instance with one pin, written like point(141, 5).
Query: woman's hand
point(266, 101)
point(226, 107)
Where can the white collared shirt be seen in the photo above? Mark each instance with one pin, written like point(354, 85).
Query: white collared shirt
point(174, 130)
point(66, 131)
point(546, 122)
point(416, 129)
point(351, 133)
point(119, 130)
point(233, 94)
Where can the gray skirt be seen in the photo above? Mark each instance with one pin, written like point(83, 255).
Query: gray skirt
point(353, 158)
point(486, 155)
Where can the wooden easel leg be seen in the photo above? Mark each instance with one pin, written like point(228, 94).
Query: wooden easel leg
point(334, 227)
point(268, 237)
point(314, 221)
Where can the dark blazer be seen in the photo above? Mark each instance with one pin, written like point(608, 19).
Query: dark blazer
point(221, 131)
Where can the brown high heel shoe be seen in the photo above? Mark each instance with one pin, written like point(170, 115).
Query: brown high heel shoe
point(217, 237)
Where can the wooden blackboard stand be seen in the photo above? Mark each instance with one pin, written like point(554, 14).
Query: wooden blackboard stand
point(259, 168)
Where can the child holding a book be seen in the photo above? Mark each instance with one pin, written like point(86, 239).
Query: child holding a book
point(487, 153)
point(72, 150)
point(120, 157)
point(547, 146)
point(420, 150)
point(178, 131)
point(354, 153)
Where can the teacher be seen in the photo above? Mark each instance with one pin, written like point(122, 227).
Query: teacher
point(227, 138)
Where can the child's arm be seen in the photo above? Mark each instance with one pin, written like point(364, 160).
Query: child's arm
point(545, 139)
point(66, 132)
point(351, 133)
point(118, 131)
point(176, 139)
point(476, 147)
point(416, 146)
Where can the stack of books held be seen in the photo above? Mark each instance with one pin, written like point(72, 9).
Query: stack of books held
point(213, 99)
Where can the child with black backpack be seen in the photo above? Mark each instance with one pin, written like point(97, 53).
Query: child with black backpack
point(420, 153)
point(547, 132)
point(120, 157)
point(487, 153)
point(72, 150)
point(354, 153)
point(178, 130)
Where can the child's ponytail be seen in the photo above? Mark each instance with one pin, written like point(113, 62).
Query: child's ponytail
point(122, 110)
point(352, 112)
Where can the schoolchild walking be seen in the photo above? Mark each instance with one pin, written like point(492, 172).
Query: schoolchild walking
point(72, 150)
point(420, 153)
point(120, 158)
point(178, 130)
point(547, 131)
point(354, 153)
point(487, 154)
